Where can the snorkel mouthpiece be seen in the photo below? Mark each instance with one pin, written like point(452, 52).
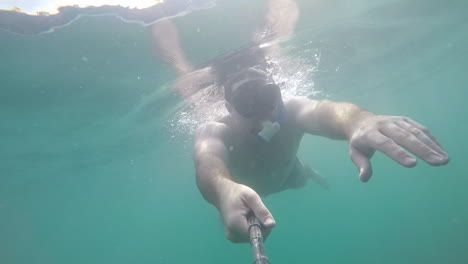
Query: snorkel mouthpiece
point(268, 131)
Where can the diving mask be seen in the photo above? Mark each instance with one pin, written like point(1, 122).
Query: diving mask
point(255, 98)
point(258, 99)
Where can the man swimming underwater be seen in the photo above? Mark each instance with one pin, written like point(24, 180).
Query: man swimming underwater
point(251, 152)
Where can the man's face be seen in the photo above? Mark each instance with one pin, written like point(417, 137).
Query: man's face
point(257, 101)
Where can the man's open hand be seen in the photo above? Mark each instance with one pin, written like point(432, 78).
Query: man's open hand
point(396, 137)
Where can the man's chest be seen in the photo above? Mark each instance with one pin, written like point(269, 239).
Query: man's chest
point(253, 154)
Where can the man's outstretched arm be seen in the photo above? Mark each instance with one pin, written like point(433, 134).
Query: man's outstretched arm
point(210, 157)
point(234, 201)
point(395, 136)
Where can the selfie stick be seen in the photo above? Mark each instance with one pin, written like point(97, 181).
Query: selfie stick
point(256, 241)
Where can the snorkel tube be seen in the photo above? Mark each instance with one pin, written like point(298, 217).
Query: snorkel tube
point(271, 128)
point(256, 241)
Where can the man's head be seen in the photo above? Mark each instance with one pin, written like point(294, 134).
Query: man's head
point(255, 100)
point(252, 94)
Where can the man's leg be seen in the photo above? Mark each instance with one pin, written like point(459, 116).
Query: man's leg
point(279, 22)
point(167, 47)
point(301, 174)
point(316, 177)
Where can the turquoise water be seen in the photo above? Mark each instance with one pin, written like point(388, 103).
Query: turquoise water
point(94, 170)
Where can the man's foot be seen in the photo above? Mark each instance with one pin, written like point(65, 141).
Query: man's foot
point(316, 177)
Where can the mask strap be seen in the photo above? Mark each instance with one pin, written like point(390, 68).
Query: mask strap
point(281, 114)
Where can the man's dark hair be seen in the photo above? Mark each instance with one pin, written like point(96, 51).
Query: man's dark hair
point(247, 74)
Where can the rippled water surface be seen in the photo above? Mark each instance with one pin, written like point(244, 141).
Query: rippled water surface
point(96, 148)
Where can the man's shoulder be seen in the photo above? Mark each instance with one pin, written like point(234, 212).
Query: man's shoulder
point(295, 104)
point(294, 100)
point(213, 129)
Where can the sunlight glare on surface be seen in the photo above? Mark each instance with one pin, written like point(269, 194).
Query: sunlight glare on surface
point(44, 7)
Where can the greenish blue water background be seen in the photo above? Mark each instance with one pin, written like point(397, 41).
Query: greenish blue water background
point(91, 171)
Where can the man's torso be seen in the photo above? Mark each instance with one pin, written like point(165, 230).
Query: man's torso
point(264, 166)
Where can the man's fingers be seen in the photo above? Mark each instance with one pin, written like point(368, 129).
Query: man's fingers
point(422, 136)
point(236, 224)
point(424, 130)
point(236, 230)
point(265, 233)
point(254, 202)
point(408, 140)
point(388, 146)
point(362, 162)
point(425, 137)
